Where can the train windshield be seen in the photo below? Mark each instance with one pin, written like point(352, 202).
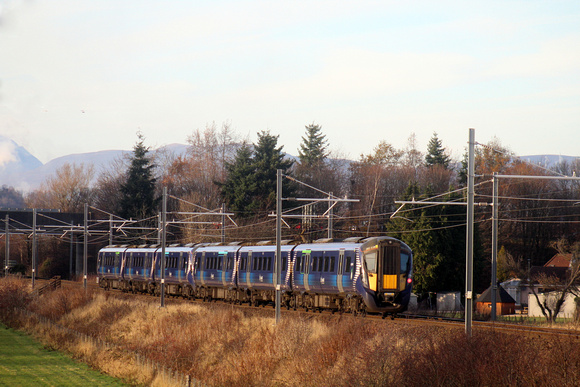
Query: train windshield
point(371, 261)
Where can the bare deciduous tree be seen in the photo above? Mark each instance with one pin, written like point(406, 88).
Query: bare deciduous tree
point(67, 190)
point(556, 289)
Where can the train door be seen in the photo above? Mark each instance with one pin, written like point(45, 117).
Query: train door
point(328, 274)
point(249, 270)
point(388, 269)
point(199, 275)
point(315, 278)
point(302, 271)
point(223, 266)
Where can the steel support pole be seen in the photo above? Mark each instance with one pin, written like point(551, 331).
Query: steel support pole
point(278, 242)
point(163, 241)
point(494, 225)
point(330, 215)
point(469, 236)
point(33, 246)
point(159, 227)
point(71, 252)
point(7, 235)
point(85, 245)
point(110, 230)
point(223, 223)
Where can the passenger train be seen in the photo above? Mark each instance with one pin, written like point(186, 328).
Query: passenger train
point(356, 275)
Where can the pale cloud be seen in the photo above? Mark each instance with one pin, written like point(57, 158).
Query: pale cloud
point(390, 67)
point(7, 152)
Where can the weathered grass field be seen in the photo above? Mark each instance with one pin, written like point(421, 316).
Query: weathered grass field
point(220, 345)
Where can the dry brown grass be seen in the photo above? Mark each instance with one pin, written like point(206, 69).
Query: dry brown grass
point(221, 345)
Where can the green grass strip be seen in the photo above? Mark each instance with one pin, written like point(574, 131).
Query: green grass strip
point(25, 362)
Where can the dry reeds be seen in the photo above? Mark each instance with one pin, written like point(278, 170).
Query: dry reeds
point(221, 345)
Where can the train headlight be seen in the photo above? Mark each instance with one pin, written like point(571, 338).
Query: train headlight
point(409, 281)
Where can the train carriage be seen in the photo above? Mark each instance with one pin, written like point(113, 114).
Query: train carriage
point(255, 273)
point(324, 274)
point(177, 265)
point(109, 263)
point(137, 269)
point(214, 271)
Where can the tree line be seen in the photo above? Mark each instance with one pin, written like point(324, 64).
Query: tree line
point(221, 167)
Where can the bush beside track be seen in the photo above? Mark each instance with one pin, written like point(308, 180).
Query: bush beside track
point(221, 345)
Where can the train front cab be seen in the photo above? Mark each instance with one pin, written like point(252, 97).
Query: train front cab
point(388, 275)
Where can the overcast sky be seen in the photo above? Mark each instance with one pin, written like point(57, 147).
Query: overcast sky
point(80, 76)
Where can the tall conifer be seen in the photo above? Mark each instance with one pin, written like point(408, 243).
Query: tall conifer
point(138, 199)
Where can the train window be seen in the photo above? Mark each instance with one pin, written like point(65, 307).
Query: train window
point(371, 261)
point(298, 261)
point(284, 263)
point(255, 264)
point(220, 262)
point(326, 263)
point(314, 264)
point(347, 267)
point(243, 263)
point(404, 262)
point(332, 263)
point(269, 263)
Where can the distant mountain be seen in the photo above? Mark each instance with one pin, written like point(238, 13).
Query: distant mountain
point(23, 171)
point(26, 175)
point(15, 161)
point(548, 161)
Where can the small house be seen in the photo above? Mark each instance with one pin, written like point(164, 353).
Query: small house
point(504, 303)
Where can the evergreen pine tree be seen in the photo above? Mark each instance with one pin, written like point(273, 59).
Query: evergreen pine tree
point(138, 199)
point(436, 153)
point(267, 160)
point(313, 147)
point(437, 237)
point(239, 187)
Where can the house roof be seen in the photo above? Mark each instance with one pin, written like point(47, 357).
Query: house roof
point(501, 296)
point(559, 260)
point(550, 271)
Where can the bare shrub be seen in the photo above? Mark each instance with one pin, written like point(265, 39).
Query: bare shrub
point(14, 294)
point(57, 303)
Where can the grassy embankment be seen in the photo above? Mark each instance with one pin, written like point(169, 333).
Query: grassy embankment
point(25, 362)
point(221, 345)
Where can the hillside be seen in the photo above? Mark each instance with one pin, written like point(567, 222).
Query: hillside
point(23, 171)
